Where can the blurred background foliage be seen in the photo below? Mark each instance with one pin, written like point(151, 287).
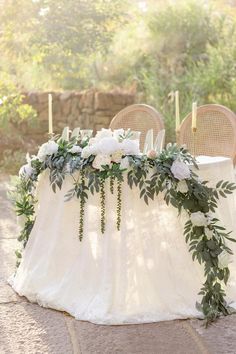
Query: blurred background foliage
point(150, 47)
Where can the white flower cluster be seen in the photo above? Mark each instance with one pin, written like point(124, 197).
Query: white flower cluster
point(75, 149)
point(180, 170)
point(47, 149)
point(26, 171)
point(199, 219)
point(108, 147)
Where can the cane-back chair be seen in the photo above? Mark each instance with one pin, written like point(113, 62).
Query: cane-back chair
point(138, 117)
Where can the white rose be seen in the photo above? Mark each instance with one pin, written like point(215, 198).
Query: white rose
point(198, 219)
point(26, 171)
point(180, 170)
point(152, 154)
point(182, 187)
point(104, 133)
point(124, 164)
point(88, 151)
point(209, 233)
point(108, 146)
point(117, 133)
point(223, 260)
point(130, 147)
point(101, 160)
point(49, 148)
point(117, 156)
point(75, 149)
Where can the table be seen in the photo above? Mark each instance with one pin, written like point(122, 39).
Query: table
point(144, 273)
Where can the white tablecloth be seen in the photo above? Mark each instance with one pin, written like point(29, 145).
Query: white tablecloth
point(144, 273)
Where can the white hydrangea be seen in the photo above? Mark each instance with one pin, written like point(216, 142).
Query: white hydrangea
point(104, 133)
point(130, 147)
point(198, 219)
point(75, 149)
point(107, 146)
point(49, 148)
point(182, 187)
point(101, 160)
point(88, 151)
point(26, 171)
point(180, 170)
point(223, 260)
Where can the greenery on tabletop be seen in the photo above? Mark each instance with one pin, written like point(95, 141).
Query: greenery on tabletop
point(167, 173)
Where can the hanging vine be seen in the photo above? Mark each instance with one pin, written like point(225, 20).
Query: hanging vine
point(82, 200)
point(118, 207)
point(112, 180)
point(103, 204)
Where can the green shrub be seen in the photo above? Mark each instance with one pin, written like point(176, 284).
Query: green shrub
point(12, 109)
point(187, 46)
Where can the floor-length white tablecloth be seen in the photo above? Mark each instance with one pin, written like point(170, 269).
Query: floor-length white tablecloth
point(144, 273)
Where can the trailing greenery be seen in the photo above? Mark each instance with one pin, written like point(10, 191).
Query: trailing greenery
point(119, 204)
point(206, 237)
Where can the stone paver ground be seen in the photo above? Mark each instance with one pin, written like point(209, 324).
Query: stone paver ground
point(27, 328)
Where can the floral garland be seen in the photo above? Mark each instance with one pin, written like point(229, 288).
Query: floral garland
point(107, 157)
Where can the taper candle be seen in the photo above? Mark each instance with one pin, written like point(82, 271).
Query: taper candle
point(50, 127)
point(194, 116)
point(177, 118)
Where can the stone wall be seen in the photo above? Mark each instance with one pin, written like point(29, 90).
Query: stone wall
point(91, 109)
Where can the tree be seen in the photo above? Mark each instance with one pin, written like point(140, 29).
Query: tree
point(58, 37)
point(185, 46)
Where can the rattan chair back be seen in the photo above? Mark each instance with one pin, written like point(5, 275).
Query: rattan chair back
point(139, 117)
point(215, 134)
